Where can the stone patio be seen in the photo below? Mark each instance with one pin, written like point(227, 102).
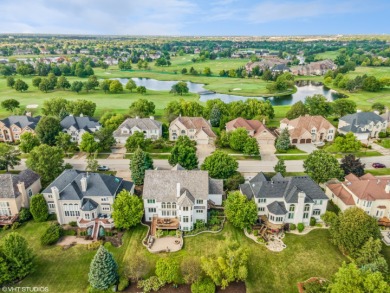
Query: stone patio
point(166, 244)
point(68, 240)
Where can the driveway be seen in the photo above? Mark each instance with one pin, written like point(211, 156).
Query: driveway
point(381, 149)
point(204, 150)
point(267, 152)
point(306, 147)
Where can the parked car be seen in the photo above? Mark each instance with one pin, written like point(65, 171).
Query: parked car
point(103, 168)
point(378, 165)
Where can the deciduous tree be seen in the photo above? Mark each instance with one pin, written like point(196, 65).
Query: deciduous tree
point(47, 129)
point(38, 208)
point(130, 85)
point(318, 105)
point(20, 86)
point(88, 143)
point(347, 144)
point(136, 140)
point(128, 210)
point(296, 110)
point(9, 156)
point(168, 270)
point(184, 153)
point(240, 211)
point(28, 141)
point(10, 104)
point(342, 107)
point(142, 108)
point(322, 166)
point(220, 165)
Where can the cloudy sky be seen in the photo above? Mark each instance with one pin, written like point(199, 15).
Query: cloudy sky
point(200, 17)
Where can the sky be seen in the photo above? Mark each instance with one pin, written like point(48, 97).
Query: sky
point(200, 17)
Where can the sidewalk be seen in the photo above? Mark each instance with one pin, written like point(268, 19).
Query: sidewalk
point(381, 149)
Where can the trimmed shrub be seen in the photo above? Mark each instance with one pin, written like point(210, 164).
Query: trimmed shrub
point(313, 221)
point(24, 215)
point(301, 226)
point(256, 232)
point(382, 134)
point(94, 245)
point(203, 286)
point(123, 283)
point(293, 227)
point(15, 225)
point(52, 234)
point(73, 224)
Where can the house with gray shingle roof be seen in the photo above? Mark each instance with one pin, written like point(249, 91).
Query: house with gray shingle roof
point(148, 126)
point(81, 197)
point(183, 195)
point(13, 127)
point(363, 125)
point(16, 191)
point(283, 200)
point(77, 126)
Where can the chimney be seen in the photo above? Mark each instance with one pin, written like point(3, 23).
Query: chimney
point(151, 117)
point(22, 190)
point(55, 192)
point(83, 182)
point(387, 188)
point(177, 189)
point(263, 121)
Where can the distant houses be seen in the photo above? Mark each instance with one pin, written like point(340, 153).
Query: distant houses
point(314, 68)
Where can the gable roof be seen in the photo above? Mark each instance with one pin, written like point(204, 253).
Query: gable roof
point(98, 184)
point(79, 123)
point(282, 187)
point(162, 185)
point(252, 125)
point(141, 123)
point(8, 182)
point(198, 123)
point(21, 121)
point(277, 208)
point(306, 123)
point(88, 205)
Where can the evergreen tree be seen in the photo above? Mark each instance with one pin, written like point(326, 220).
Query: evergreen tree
point(140, 162)
point(103, 271)
point(38, 208)
point(280, 167)
point(215, 116)
point(283, 141)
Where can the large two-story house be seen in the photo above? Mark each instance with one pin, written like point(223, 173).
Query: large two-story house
point(148, 126)
point(363, 125)
point(282, 200)
point(84, 198)
point(13, 127)
point(15, 193)
point(254, 129)
point(181, 195)
point(308, 129)
point(368, 192)
point(77, 126)
point(196, 128)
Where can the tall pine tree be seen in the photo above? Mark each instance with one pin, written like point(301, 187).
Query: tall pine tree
point(103, 271)
point(283, 141)
point(140, 162)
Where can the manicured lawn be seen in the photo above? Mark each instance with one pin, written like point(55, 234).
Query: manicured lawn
point(362, 153)
point(379, 171)
point(327, 55)
point(291, 151)
point(292, 157)
point(385, 142)
point(305, 256)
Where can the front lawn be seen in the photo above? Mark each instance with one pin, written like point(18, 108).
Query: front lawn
point(291, 151)
point(305, 256)
point(362, 153)
point(385, 143)
point(379, 171)
point(292, 157)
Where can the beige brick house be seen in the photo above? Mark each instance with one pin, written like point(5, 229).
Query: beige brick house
point(196, 128)
point(13, 127)
point(254, 128)
point(308, 129)
point(15, 193)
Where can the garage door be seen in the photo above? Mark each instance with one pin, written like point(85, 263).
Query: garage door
point(308, 140)
point(302, 140)
point(295, 140)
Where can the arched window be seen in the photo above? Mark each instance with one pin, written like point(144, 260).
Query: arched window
point(307, 207)
point(292, 208)
point(306, 211)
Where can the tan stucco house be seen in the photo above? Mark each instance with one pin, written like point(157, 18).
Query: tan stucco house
point(13, 127)
point(255, 129)
point(368, 192)
point(196, 128)
point(308, 129)
point(15, 193)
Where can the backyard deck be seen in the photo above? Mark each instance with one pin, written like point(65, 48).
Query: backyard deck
point(164, 224)
point(8, 220)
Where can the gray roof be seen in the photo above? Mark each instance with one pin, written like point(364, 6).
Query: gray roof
point(141, 123)
point(361, 119)
point(282, 187)
point(69, 185)
point(215, 186)
point(178, 167)
point(353, 128)
point(186, 199)
point(161, 185)
point(79, 123)
point(8, 182)
point(88, 205)
point(277, 208)
point(21, 121)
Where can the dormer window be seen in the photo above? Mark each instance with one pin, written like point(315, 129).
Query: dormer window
point(125, 131)
point(313, 130)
